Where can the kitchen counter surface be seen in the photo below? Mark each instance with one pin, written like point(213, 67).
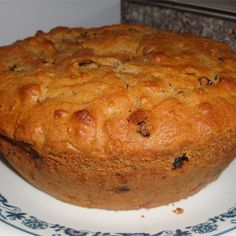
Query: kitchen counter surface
point(214, 19)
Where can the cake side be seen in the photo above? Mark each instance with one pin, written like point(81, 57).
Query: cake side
point(122, 184)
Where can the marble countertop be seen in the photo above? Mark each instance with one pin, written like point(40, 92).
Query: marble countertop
point(214, 19)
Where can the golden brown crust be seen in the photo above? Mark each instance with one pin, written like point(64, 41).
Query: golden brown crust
point(117, 116)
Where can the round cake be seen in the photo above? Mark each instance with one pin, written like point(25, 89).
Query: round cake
point(118, 117)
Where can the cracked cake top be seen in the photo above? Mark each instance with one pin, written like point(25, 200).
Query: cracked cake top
point(120, 90)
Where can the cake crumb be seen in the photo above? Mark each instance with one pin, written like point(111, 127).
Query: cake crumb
point(178, 210)
point(142, 216)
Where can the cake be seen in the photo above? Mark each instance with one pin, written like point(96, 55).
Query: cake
point(118, 117)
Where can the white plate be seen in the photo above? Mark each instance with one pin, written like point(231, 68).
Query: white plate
point(24, 210)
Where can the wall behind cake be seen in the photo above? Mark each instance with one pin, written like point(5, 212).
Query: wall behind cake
point(22, 18)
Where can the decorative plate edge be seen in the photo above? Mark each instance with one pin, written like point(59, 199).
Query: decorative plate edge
point(20, 220)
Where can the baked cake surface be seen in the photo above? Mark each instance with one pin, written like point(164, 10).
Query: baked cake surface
point(118, 117)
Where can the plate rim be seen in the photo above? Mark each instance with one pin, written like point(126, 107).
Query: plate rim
point(15, 217)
